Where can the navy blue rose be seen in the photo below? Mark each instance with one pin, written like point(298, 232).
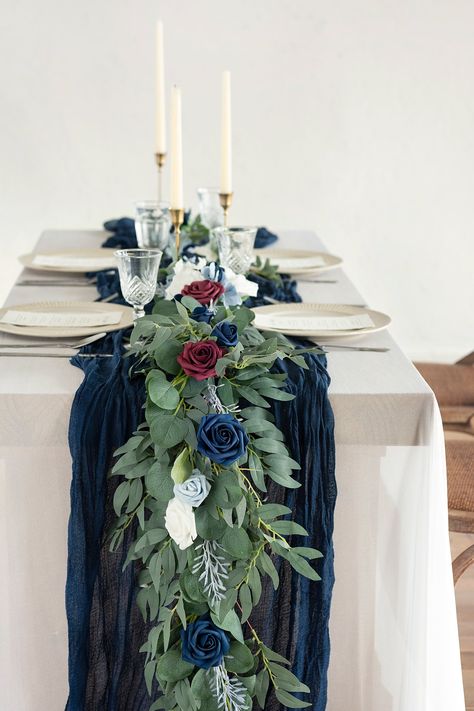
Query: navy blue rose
point(201, 313)
point(221, 438)
point(226, 334)
point(203, 644)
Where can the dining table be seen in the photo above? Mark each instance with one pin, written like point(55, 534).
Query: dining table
point(393, 628)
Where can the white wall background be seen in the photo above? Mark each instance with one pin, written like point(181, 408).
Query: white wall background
point(355, 119)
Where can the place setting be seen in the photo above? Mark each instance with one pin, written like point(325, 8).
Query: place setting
point(138, 271)
point(306, 265)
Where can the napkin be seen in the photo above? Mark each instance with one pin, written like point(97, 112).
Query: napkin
point(294, 322)
point(284, 290)
point(264, 238)
point(64, 260)
point(289, 263)
point(62, 319)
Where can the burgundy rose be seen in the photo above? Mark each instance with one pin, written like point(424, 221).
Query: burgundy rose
point(198, 359)
point(203, 291)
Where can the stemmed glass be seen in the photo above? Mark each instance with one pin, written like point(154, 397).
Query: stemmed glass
point(210, 209)
point(235, 245)
point(152, 224)
point(138, 270)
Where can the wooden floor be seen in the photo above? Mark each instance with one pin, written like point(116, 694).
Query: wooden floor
point(465, 608)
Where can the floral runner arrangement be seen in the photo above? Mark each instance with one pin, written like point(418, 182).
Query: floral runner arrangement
point(194, 482)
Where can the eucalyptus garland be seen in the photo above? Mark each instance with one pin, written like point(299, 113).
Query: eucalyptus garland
point(194, 487)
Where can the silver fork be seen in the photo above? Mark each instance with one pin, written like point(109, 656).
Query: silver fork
point(62, 281)
point(315, 281)
point(60, 344)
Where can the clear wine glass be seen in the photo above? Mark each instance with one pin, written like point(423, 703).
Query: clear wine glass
point(152, 224)
point(235, 246)
point(138, 270)
point(210, 209)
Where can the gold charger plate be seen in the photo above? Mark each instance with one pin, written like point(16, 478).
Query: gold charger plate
point(295, 312)
point(66, 307)
point(111, 263)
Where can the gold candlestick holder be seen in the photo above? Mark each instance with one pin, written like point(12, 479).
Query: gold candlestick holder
point(226, 202)
point(177, 218)
point(160, 159)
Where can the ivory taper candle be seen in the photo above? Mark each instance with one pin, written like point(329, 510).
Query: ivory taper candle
point(226, 136)
point(160, 91)
point(176, 155)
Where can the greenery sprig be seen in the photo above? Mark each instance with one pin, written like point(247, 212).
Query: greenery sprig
point(194, 485)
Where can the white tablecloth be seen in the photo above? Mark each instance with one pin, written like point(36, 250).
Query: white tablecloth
point(393, 621)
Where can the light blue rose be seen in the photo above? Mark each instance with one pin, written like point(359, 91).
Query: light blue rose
point(231, 296)
point(194, 490)
point(214, 272)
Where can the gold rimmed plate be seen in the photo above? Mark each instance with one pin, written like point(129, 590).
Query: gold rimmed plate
point(70, 260)
point(97, 318)
point(319, 320)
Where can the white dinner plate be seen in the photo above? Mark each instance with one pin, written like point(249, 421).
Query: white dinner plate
point(67, 307)
point(309, 320)
point(70, 260)
point(298, 262)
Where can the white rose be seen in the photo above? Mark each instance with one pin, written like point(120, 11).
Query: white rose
point(244, 286)
point(180, 523)
point(184, 273)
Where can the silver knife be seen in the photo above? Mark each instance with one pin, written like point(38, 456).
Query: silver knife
point(368, 349)
point(55, 355)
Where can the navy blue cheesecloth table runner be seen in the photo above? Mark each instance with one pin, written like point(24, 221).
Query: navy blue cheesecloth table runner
point(106, 629)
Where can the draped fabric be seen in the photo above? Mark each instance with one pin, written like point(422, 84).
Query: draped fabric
point(294, 619)
point(106, 629)
point(284, 291)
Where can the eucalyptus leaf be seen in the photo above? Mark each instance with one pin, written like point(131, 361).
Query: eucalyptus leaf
point(256, 472)
point(172, 667)
point(240, 658)
point(290, 701)
point(267, 566)
point(151, 538)
point(268, 512)
point(236, 542)
point(245, 602)
point(288, 528)
point(251, 395)
point(262, 683)
point(273, 446)
point(166, 354)
point(120, 496)
point(168, 430)
point(230, 623)
point(160, 390)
